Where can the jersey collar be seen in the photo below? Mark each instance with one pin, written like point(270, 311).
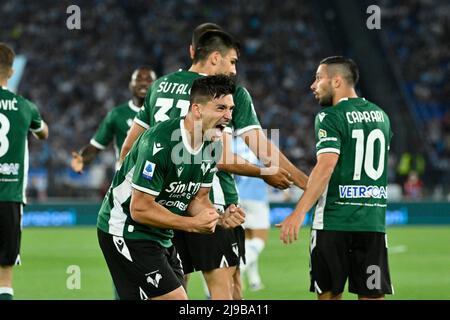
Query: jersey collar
point(133, 107)
point(185, 139)
point(346, 99)
point(203, 74)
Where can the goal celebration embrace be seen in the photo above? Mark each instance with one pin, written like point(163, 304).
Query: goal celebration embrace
point(224, 151)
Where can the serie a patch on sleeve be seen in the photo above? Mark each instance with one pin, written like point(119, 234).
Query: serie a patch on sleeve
point(148, 171)
point(322, 133)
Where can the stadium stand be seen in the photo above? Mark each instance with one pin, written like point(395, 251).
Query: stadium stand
point(76, 76)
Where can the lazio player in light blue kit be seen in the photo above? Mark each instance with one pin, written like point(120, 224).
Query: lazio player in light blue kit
point(254, 200)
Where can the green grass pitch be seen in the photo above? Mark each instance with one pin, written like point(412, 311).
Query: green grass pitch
point(419, 261)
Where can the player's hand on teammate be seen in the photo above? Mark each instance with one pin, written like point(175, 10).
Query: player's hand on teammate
point(77, 162)
point(290, 227)
point(232, 217)
point(277, 177)
point(205, 221)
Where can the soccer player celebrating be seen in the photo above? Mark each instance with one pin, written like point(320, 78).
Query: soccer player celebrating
point(17, 116)
point(165, 178)
point(218, 255)
point(349, 181)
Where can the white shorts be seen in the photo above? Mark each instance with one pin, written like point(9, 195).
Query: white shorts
point(256, 214)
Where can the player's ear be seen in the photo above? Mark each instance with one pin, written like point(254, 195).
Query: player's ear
point(336, 82)
point(196, 110)
point(215, 57)
point(191, 52)
point(10, 73)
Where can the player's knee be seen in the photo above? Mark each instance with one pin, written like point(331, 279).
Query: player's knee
point(371, 297)
point(177, 294)
point(329, 296)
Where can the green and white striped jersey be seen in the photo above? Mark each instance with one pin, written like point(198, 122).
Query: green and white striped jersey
point(17, 116)
point(355, 198)
point(160, 163)
point(168, 98)
point(115, 126)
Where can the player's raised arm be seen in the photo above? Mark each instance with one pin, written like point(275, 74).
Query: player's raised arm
point(270, 155)
point(233, 163)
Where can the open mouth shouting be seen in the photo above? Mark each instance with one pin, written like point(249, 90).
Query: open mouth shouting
point(219, 129)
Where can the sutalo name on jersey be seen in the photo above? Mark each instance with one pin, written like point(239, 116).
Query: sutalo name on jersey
point(173, 88)
point(8, 105)
point(365, 116)
point(377, 192)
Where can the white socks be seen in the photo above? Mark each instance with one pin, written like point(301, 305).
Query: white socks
point(6, 293)
point(253, 248)
point(6, 290)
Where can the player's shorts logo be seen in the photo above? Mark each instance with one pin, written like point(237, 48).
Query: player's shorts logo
point(153, 278)
point(121, 246)
point(235, 249)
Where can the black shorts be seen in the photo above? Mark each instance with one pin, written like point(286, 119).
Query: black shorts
point(205, 252)
point(359, 256)
point(140, 269)
point(10, 232)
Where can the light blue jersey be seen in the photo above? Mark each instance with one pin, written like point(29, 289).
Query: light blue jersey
point(249, 188)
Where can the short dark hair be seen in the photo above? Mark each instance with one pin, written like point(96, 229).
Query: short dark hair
point(201, 29)
point(7, 56)
point(214, 40)
point(205, 89)
point(351, 72)
point(145, 67)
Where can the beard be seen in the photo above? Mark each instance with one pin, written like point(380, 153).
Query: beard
point(327, 99)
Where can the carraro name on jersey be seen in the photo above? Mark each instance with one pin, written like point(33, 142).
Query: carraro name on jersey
point(377, 192)
point(365, 116)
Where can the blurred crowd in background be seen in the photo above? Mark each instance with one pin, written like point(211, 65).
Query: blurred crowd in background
point(76, 76)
